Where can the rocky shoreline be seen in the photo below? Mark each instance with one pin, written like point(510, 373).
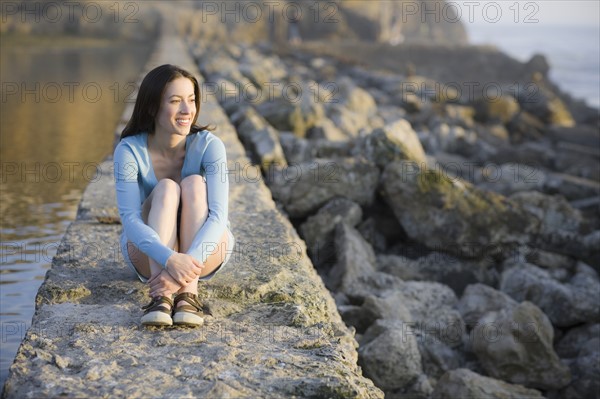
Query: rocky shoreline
point(459, 236)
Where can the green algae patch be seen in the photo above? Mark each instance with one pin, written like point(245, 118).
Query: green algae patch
point(68, 291)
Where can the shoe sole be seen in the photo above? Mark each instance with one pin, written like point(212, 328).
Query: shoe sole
point(157, 319)
point(187, 319)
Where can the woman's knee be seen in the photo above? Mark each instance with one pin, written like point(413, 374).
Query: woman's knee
point(167, 192)
point(193, 190)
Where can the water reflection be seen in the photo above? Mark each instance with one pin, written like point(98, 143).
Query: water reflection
point(60, 106)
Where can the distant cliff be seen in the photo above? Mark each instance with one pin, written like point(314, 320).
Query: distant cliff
point(395, 22)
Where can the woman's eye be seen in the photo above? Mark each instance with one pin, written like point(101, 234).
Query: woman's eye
point(174, 101)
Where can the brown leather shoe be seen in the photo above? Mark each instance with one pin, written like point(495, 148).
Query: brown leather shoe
point(190, 315)
point(158, 312)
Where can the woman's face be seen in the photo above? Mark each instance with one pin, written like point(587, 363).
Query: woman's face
point(177, 108)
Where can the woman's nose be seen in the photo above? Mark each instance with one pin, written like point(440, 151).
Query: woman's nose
point(185, 108)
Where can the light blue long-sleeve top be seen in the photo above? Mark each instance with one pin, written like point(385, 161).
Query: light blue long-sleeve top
point(134, 177)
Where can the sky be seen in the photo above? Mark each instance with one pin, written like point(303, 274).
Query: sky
point(544, 12)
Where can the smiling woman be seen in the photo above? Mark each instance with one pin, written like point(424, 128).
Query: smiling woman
point(172, 193)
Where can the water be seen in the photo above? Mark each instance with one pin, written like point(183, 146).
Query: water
point(60, 105)
point(573, 52)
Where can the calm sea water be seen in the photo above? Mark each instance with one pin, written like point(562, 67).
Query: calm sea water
point(59, 108)
point(572, 51)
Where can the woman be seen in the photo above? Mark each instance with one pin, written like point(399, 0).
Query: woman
point(172, 193)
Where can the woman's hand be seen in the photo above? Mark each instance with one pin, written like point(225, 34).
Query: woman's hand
point(162, 284)
point(183, 268)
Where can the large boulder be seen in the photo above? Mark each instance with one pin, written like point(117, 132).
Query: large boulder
point(296, 149)
point(500, 109)
point(546, 106)
point(515, 345)
point(510, 178)
point(305, 187)
point(389, 356)
point(355, 258)
point(395, 141)
point(355, 98)
point(260, 138)
point(262, 70)
point(479, 299)
point(457, 140)
point(294, 112)
point(433, 308)
point(441, 267)
point(317, 231)
point(350, 123)
point(554, 211)
point(576, 339)
point(388, 305)
point(451, 214)
point(580, 349)
point(568, 303)
point(463, 383)
point(438, 357)
point(325, 129)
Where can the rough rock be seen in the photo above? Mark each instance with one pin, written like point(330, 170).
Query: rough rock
point(295, 113)
point(355, 257)
point(317, 231)
point(571, 187)
point(500, 109)
point(525, 126)
point(304, 188)
point(441, 267)
point(463, 383)
point(554, 211)
point(261, 138)
point(576, 339)
point(585, 369)
point(326, 129)
point(296, 149)
point(580, 348)
point(515, 345)
point(451, 214)
point(545, 105)
point(510, 178)
point(388, 305)
point(436, 356)
point(349, 122)
point(389, 356)
point(433, 307)
point(395, 141)
point(262, 70)
point(369, 230)
point(565, 303)
point(454, 139)
point(479, 299)
point(355, 98)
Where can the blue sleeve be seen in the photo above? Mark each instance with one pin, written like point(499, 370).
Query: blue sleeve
point(214, 164)
point(130, 207)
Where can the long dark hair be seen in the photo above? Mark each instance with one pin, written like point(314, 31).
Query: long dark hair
point(149, 97)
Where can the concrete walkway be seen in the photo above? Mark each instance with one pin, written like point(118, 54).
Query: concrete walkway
point(275, 333)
